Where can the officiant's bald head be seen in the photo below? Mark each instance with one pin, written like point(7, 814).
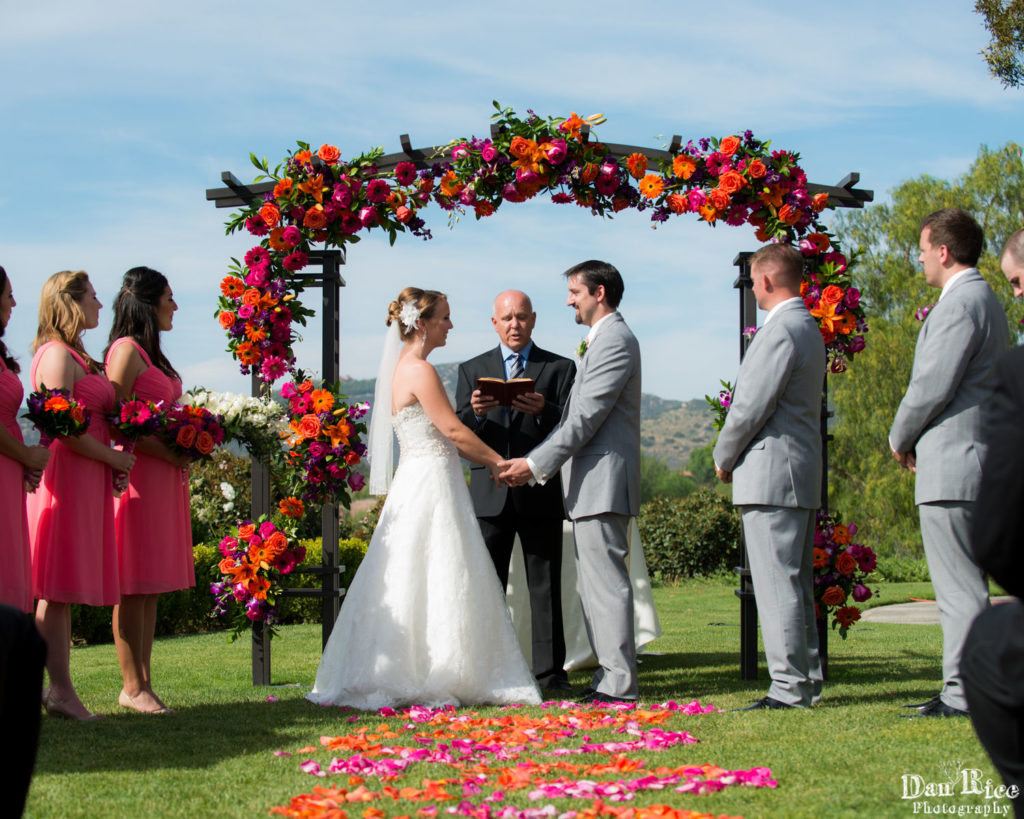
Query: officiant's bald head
point(513, 319)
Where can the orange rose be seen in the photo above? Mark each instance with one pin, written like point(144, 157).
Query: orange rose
point(521, 147)
point(270, 214)
point(756, 169)
point(789, 215)
point(676, 203)
point(719, 199)
point(251, 297)
point(186, 436)
point(833, 596)
point(731, 181)
point(276, 543)
point(846, 563)
point(820, 240)
point(283, 188)
point(246, 531)
point(305, 386)
point(833, 294)
point(819, 202)
point(226, 565)
point(729, 145)
point(309, 426)
point(204, 443)
point(329, 154)
point(315, 218)
point(77, 415)
point(226, 319)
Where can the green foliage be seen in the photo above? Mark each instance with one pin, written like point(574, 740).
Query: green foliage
point(657, 480)
point(901, 570)
point(188, 611)
point(697, 536)
point(701, 465)
point(1004, 20)
point(864, 480)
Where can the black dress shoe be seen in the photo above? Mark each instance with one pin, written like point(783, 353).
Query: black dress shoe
point(937, 709)
point(597, 696)
point(766, 702)
point(925, 704)
point(555, 684)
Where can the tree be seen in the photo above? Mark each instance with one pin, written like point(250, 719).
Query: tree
point(865, 483)
point(1004, 20)
point(701, 465)
point(657, 480)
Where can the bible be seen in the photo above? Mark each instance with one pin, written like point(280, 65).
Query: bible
point(505, 392)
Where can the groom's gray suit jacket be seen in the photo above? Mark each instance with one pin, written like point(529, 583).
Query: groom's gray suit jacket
point(940, 416)
point(597, 442)
point(771, 440)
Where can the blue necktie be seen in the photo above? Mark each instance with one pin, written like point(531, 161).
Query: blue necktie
point(517, 366)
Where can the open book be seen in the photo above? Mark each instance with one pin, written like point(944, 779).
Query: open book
point(505, 392)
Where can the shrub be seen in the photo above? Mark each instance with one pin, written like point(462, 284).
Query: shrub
point(901, 570)
point(695, 536)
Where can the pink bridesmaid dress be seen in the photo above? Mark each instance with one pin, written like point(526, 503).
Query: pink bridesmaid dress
point(71, 514)
point(15, 558)
point(154, 525)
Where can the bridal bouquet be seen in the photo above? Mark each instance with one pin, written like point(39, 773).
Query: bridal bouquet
point(256, 557)
point(841, 568)
point(56, 414)
point(133, 419)
point(191, 431)
point(258, 424)
point(324, 441)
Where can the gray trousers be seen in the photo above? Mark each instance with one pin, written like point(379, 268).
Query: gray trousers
point(602, 552)
point(780, 544)
point(961, 590)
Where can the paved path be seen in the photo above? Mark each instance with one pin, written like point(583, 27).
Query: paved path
point(925, 613)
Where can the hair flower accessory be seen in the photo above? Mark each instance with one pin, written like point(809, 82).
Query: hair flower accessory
point(409, 315)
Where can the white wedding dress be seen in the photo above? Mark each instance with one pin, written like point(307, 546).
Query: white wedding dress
point(424, 621)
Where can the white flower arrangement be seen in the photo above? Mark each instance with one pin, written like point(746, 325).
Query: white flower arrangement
point(409, 315)
point(256, 423)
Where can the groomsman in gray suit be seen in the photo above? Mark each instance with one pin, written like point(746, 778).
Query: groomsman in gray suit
point(937, 432)
point(770, 450)
point(596, 445)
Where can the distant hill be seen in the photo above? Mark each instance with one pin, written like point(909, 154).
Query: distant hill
point(669, 429)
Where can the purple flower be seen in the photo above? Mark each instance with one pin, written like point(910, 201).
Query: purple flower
point(861, 593)
point(356, 481)
point(838, 364)
point(367, 217)
point(510, 193)
point(855, 344)
point(852, 297)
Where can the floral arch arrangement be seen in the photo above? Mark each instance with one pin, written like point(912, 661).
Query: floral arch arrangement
point(320, 199)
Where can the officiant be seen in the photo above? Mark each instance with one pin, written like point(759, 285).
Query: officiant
point(535, 513)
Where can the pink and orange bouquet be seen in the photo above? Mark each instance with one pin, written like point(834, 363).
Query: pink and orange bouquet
point(191, 431)
point(841, 568)
point(134, 419)
point(255, 558)
point(56, 414)
point(324, 441)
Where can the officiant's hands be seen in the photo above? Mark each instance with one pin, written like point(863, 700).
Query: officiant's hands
point(482, 404)
point(532, 403)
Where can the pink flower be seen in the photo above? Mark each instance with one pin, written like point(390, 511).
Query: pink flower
point(257, 277)
point(555, 151)
point(350, 222)
point(852, 297)
point(288, 390)
point(367, 217)
point(266, 529)
point(228, 546)
point(460, 151)
point(273, 368)
point(403, 214)
point(861, 593)
point(292, 235)
point(696, 198)
point(855, 344)
point(342, 196)
point(488, 153)
point(295, 261)
point(256, 226)
point(377, 191)
point(246, 311)
point(524, 176)
point(405, 173)
point(356, 481)
point(510, 193)
point(468, 195)
point(808, 248)
point(257, 257)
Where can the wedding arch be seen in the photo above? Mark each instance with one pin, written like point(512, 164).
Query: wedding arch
point(305, 211)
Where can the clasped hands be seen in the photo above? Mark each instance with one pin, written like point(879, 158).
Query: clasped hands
point(514, 472)
point(905, 459)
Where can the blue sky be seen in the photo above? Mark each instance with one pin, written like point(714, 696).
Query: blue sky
point(116, 116)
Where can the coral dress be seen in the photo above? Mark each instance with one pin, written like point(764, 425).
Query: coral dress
point(71, 514)
point(15, 559)
point(153, 523)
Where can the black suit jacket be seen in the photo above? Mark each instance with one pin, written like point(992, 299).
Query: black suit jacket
point(515, 434)
point(998, 526)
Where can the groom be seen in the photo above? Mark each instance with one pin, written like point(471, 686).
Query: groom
point(596, 445)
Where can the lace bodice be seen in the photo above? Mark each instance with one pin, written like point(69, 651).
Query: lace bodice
point(418, 437)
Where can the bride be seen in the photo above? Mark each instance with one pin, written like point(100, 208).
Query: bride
point(424, 621)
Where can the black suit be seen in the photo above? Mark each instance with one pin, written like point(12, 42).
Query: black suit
point(536, 512)
point(992, 664)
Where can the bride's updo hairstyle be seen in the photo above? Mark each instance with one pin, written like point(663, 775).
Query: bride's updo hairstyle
point(424, 301)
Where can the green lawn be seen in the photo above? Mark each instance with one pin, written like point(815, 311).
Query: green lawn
point(215, 755)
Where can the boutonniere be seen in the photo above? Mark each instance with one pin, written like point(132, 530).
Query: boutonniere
point(582, 348)
point(922, 312)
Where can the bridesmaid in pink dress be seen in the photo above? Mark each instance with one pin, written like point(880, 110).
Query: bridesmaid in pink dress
point(71, 514)
point(153, 522)
point(17, 463)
